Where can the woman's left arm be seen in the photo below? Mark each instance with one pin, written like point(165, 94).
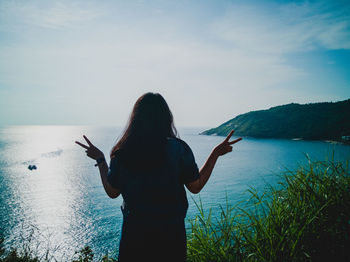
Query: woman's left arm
point(204, 173)
point(96, 154)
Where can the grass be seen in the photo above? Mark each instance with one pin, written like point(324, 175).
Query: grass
point(24, 255)
point(305, 218)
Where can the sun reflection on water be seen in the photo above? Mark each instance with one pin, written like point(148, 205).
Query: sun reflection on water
point(52, 202)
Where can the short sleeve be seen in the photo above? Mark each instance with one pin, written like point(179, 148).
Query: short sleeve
point(113, 176)
point(189, 169)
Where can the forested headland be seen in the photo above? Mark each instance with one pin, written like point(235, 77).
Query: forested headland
point(315, 121)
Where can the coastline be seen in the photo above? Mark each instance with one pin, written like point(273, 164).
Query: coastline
point(330, 141)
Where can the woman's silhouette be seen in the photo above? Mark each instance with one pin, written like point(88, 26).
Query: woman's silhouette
point(150, 166)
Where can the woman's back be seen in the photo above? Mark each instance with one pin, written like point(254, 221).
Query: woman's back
point(157, 192)
point(155, 202)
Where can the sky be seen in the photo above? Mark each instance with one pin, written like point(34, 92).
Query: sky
point(87, 62)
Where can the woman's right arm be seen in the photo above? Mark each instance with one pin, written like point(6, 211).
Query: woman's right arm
point(204, 173)
point(93, 152)
point(110, 190)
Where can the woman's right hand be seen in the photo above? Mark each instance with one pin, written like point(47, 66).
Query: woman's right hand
point(91, 150)
point(226, 146)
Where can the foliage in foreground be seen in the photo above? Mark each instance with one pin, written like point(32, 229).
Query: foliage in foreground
point(26, 255)
point(305, 219)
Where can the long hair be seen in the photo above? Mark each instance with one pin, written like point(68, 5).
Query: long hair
point(143, 141)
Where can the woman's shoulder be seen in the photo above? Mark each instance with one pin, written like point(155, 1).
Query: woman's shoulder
point(179, 143)
point(118, 154)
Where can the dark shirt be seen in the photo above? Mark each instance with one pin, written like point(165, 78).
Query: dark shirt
point(155, 200)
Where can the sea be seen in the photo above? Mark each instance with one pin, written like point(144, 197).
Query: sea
point(60, 207)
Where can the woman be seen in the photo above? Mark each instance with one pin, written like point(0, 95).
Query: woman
point(149, 166)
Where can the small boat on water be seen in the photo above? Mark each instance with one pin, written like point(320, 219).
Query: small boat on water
point(32, 167)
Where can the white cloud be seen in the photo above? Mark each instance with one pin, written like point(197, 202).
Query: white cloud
point(288, 28)
point(47, 14)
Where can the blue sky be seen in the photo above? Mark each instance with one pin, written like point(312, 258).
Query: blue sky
point(86, 62)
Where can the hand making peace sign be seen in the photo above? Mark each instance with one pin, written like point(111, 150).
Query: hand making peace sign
point(91, 150)
point(226, 146)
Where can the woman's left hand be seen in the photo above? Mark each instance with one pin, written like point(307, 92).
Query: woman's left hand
point(226, 146)
point(91, 151)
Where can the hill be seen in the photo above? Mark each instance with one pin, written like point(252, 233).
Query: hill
point(316, 121)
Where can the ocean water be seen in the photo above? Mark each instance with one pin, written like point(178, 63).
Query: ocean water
point(61, 206)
